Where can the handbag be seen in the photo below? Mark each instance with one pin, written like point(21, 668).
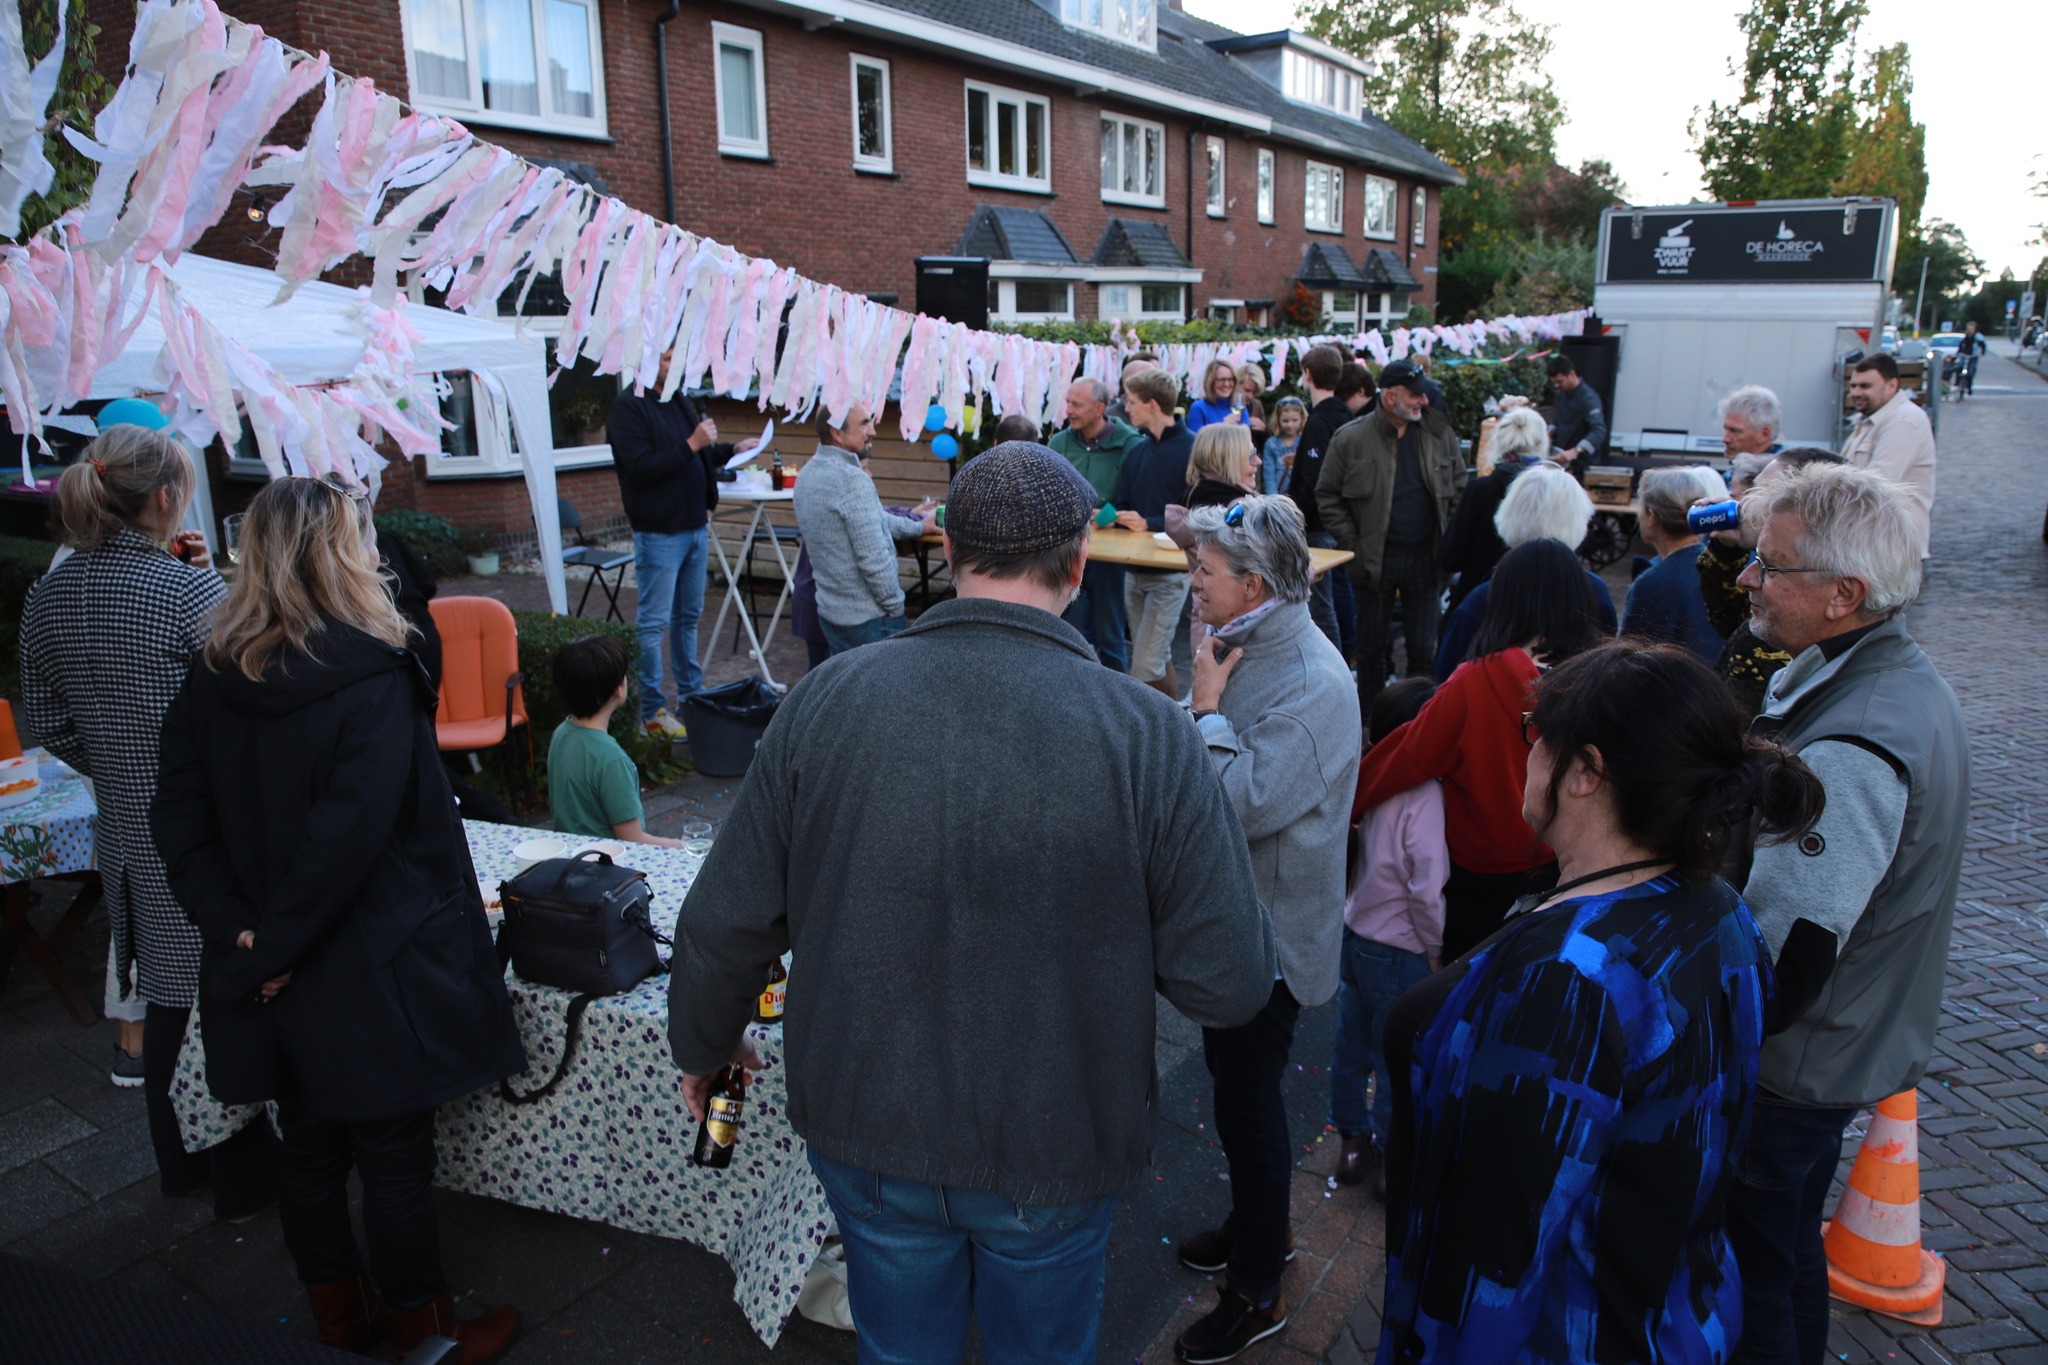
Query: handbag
point(582, 924)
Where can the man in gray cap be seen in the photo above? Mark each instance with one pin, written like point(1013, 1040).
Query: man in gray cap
point(970, 1021)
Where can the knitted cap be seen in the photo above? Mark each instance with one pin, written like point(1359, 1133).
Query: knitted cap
point(1018, 498)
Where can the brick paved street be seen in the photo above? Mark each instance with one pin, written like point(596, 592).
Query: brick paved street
point(77, 1181)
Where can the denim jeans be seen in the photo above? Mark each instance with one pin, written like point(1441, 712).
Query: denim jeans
point(1410, 572)
point(1248, 1064)
point(1375, 976)
point(1097, 611)
point(921, 1258)
point(668, 568)
point(1774, 1212)
point(839, 639)
point(395, 1158)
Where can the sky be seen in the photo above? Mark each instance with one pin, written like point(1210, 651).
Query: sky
point(1630, 82)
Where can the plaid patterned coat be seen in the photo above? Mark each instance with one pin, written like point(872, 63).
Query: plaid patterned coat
point(106, 639)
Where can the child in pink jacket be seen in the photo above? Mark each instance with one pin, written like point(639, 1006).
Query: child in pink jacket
point(1393, 933)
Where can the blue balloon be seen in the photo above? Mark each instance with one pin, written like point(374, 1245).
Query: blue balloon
point(944, 446)
point(935, 418)
point(132, 412)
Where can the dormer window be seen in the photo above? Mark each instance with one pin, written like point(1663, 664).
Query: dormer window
point(1315, 81)
point(1127, 21)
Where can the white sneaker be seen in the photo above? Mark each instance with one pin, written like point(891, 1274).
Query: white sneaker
point(664, 725)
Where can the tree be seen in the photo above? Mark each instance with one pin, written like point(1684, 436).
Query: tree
point(1787, 135)
point(1951, 267)
point(81, 90)
point(1544, 274)
point(1888, 150)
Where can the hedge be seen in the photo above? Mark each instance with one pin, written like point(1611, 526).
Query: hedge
point(22, 561)
point(434, 539)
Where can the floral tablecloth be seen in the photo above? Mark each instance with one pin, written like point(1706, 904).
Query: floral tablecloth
point(52, 834)
point(613, 1144)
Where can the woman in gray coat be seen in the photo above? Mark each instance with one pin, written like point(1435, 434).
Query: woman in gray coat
point(1278, 709)
point(107, 637)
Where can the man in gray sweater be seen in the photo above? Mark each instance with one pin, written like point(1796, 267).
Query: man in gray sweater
point(970, 1019)
point(849, 537)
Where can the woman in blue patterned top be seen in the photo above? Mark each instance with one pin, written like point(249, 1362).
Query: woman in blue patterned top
point(1569, 1096)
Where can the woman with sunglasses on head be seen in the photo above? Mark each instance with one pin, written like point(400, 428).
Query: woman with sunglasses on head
point(107, 636)
point(308, 828)
point(1570, 1098)
point(1539, 613)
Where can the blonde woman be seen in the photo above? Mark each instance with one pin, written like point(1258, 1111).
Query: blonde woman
point(307, 824)
point(1251, 382)
point(107, 636)
point(1221, 469)
point(1218, 402)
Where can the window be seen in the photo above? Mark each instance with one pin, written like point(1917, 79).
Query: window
point(1341, 308)
point(1380, 201)
point(742, 91)
point(1030, 301)
point(1323, 201)
point(1218, 199)
point(1314, 81)
point(1265, 186)
point(873, 138)
point(1141, 302)
point(1418, 218)
point(1127, 21)
point(525, 63)
point(1384, 311)
point(1006, 139)
point(1133, 162)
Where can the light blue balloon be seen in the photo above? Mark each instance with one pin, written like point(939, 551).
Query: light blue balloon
point(132, 412)
point(944, 446)
point(935, 418)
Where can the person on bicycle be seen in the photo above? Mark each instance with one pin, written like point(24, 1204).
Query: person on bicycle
point(1973, 345)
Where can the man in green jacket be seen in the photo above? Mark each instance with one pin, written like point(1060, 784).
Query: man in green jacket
point(1388, 484)
point(1095, 443)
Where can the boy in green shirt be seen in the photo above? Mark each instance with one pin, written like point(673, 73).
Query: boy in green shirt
point(593, 786)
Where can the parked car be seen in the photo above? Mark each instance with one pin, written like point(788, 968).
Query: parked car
point(1945, 344)
point(1890, 342)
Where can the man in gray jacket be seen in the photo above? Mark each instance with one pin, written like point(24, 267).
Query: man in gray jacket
point(1274, 703)
point(1388, 485)
point(1858, 912)
point(849, 537)
point(970, 1018)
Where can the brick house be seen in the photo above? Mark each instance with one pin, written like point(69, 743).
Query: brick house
point(1110, 158)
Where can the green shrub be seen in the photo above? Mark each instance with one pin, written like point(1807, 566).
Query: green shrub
point(1468, 386)
point(22, 561)
point(432, 538)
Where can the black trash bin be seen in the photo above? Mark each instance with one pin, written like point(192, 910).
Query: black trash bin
point(725, 723)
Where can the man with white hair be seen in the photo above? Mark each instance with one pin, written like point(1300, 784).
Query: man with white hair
point(1857, 912)
point(1750, 421)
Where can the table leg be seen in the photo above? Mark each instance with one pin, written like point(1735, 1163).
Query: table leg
point(732, 583)
point(18, 932)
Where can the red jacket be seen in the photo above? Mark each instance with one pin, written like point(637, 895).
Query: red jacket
point(1470, 736)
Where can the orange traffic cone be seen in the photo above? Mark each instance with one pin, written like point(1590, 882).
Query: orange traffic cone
point(1874, 1256)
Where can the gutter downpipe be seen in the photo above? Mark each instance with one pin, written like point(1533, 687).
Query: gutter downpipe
point(1188, 310)
point(668, 155)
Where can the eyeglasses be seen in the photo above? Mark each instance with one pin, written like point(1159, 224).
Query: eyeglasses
point(1766, 569)
point(1235, 516)
point(1530, 734)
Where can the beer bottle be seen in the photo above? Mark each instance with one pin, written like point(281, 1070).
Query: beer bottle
point(775, 479)
point(768, 1010)
point(720, 1131)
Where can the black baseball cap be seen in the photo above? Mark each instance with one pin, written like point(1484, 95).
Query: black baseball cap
point(1401, 374)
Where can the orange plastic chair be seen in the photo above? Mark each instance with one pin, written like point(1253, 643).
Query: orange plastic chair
point(482, 702)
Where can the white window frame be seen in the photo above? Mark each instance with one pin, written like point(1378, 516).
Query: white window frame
point(1418, 211)
point(472, 110)
point(1005, 306)
point(1308, 79)
point(997, 95)
point(1335, 197)
point(1146, 128)
point(1217, 166)
point(1135, 22)
point(1349, 319)
point(887, 160)
point(1269, 178)
point(1135, 310)
point(1388, 195)
point(724, 35)
point(1381, 310)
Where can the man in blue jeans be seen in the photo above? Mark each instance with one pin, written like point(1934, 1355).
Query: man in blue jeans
point(668, 458)
point(970, 1023)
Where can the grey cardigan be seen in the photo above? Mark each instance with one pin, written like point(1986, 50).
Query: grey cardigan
point(986, 851)
point(848, 535)
point(1286, 744)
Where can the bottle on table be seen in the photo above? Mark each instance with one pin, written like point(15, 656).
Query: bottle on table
point(775, 479)
point(768, 1010)
point(720, 1131)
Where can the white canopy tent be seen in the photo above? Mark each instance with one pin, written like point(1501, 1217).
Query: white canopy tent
point(314, 338)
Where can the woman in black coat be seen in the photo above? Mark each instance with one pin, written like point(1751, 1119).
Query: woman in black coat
point(1471, 546)
point(347, 969)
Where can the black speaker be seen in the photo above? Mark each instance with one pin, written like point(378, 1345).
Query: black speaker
point(1598, 361)
point(954, 288)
